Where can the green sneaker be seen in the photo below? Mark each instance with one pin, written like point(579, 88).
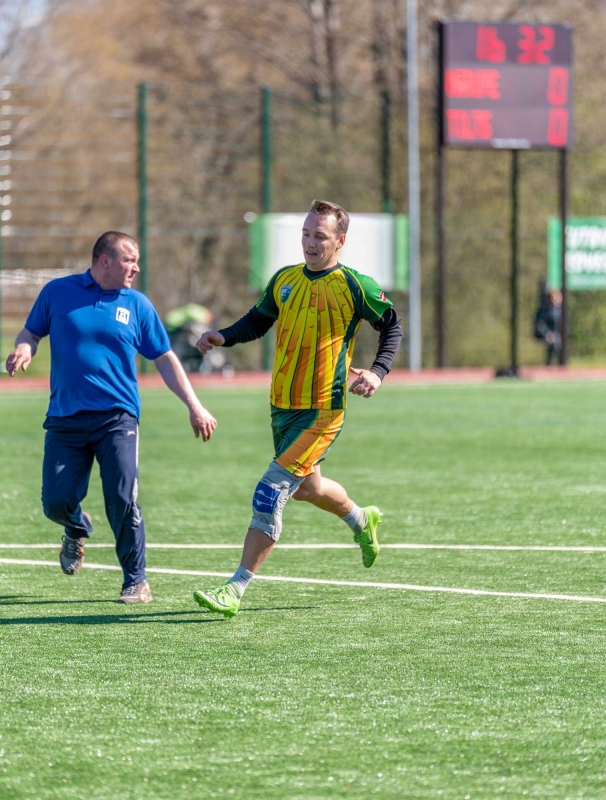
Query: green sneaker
point(221, 600)
point(367, 539)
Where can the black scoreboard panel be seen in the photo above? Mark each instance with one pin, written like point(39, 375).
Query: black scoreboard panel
point(505, 85)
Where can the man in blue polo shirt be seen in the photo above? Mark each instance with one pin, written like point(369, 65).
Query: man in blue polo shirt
point(97, 324)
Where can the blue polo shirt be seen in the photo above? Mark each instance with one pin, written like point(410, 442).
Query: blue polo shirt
point(94, 338)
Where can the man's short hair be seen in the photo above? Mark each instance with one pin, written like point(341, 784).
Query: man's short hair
point(106, 244)
point(327, 208)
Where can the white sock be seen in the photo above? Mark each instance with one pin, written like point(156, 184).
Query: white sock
point(240, 580)
point(356, 519)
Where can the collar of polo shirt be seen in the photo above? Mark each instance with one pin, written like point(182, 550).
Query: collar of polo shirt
point(90, 281)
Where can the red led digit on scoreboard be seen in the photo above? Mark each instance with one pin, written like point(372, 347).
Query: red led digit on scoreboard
point(557, 86)
point(557, 127)
point(488, 45)
point(533, 50)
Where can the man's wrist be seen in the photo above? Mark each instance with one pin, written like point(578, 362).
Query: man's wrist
point(193, 404)
point(33, 347)
point(229, 337)
point(380, 372)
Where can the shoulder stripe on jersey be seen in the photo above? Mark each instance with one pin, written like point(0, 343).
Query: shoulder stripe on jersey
point(349, 272)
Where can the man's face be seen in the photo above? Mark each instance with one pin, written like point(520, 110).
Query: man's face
point(120, 269)
point(321, 241)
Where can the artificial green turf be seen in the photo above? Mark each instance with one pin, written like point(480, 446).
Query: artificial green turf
point(321, 691)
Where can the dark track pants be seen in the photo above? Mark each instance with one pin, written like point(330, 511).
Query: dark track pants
point(71, 445)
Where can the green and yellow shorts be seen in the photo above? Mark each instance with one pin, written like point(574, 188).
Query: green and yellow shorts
point(303, 437)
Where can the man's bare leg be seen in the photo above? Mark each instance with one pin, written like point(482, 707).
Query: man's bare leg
point(270, 496)
point(325, 494)
point(226, 599)
point(331, 496)
point(322, 492)
point(257, 546)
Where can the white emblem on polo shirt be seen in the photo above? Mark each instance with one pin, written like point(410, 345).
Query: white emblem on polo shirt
point(122, 315)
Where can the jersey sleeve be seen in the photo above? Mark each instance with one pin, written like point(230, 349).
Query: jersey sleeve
point(253, 325)
point(369, 299)
point(38, 320)
point(267, 304)
point(154, 341)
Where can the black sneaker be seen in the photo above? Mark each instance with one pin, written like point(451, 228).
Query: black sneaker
point(71, 555)
point(137, 593)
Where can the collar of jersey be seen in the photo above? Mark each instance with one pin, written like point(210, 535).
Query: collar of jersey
point(89, 281)
point(315, 275)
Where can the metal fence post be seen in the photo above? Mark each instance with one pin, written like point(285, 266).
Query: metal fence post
point(266, 190)
point(142, 181)
point(266, 151)
point(386, 204)
point(1, 340)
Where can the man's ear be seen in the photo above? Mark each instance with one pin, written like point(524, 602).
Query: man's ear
point(342, 240)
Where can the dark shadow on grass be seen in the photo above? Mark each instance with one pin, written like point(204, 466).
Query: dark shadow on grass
point(49, 602)
point(103, 619)
point(134, 617)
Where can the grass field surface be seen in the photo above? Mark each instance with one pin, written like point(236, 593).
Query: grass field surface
point(321, 690)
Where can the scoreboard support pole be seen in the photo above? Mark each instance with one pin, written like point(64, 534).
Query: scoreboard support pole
point(563, 214)
point(440, 284)
point(441, 265)
point(514, 263)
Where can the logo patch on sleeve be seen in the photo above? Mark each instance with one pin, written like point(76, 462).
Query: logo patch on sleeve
point(122, 315)
point(285, 293)
point(265, 498)
point(383, 297)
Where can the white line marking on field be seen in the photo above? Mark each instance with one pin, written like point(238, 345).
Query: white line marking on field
point(410, 587)
point(340, 546)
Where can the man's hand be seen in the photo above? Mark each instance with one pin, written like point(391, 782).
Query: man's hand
point(20, 357)
point(174, 376)
point(202, 421)
point(366, 382)
point(208, 340)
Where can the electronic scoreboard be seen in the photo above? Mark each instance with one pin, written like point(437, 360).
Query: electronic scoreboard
point(505, 86)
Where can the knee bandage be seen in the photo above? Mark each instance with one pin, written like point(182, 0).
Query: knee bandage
point(269, 499)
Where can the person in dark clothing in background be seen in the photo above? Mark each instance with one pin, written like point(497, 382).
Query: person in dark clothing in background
point(548, 323)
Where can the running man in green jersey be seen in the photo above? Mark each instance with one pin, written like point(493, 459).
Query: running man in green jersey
point(319, 306)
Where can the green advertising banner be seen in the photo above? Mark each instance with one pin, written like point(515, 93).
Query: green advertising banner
point(585, 253)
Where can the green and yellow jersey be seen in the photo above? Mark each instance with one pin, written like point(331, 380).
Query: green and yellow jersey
point(318, 315)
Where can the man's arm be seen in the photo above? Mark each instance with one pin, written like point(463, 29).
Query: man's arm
point(390, 335)
point(174, 376)
point(253, 325)
point(26, 346)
